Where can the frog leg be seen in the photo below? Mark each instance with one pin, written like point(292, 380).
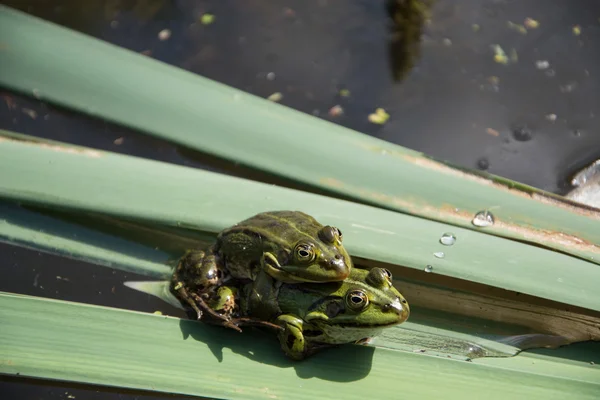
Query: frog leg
point(225, 303)
point(262, 298)
point(291, 337)
point(246, 321)
point(200, 272)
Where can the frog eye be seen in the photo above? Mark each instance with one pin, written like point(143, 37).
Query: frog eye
point(357, 300)
point(339, 232)
point(305, 252)
point(387, 273)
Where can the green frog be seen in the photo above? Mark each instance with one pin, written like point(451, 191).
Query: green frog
point(265, 250)
point(315, 316)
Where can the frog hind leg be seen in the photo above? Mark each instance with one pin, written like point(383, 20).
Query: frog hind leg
point(201, 271)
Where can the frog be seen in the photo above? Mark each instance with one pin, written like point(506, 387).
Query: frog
point(315, 316)
point(267, 249)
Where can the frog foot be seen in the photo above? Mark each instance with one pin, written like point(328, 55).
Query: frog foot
point(291, 337)
point(201, 308)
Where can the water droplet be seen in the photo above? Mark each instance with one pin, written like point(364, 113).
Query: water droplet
point(448, 239)
point(483, 219)
point(522, 133)
point(439, 254)
point(428, 268)
point(483, 163)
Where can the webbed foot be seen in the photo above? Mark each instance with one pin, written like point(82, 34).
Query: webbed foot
point(291, 337)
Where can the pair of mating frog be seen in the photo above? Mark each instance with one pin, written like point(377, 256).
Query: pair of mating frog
point(286, 271)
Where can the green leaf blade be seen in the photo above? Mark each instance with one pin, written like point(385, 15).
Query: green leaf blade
point(105, 346)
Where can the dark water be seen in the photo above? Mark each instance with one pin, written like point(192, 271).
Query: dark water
point(534, 120)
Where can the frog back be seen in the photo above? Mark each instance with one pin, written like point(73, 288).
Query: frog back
point(243, 244)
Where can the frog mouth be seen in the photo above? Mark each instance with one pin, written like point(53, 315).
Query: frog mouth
point(276, 271)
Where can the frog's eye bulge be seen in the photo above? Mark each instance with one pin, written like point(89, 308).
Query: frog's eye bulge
point(304, 252)
point(328, 234)
point(357, 300)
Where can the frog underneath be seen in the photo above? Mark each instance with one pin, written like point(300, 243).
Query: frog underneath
point(316, 316)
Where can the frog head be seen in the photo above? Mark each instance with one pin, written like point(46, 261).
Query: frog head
point(362, 305)
point(316, 257)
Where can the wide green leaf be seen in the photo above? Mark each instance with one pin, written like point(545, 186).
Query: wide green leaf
point(65, 67)
point(98, 345)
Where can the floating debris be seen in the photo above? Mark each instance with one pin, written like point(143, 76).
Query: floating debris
point(499, 55)
point(277, 96)
point(336, 110)
point(577, 30)
point(517, 27)
point(207, 19)
point(531, 23)
point(271, 76)
point(114, 24)
point(36, 93)
point(119, 141)
point(551, 117)
point(475, 27)
point(542, 64)
point(31, 113)
point(447, 42)
point(345, 93)
point(379, 117)
point(165, 34)
point(492, 132)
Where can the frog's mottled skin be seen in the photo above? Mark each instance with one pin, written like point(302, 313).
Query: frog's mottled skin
point(267, 249)
point(290, 246)
point(334, 313)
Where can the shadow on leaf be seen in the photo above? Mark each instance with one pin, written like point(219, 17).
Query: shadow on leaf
point(345, 363)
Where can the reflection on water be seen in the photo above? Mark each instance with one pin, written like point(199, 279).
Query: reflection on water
point(405, 43)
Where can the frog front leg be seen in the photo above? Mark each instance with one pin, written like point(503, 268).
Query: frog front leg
point(198, 272)
point(291, 337)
